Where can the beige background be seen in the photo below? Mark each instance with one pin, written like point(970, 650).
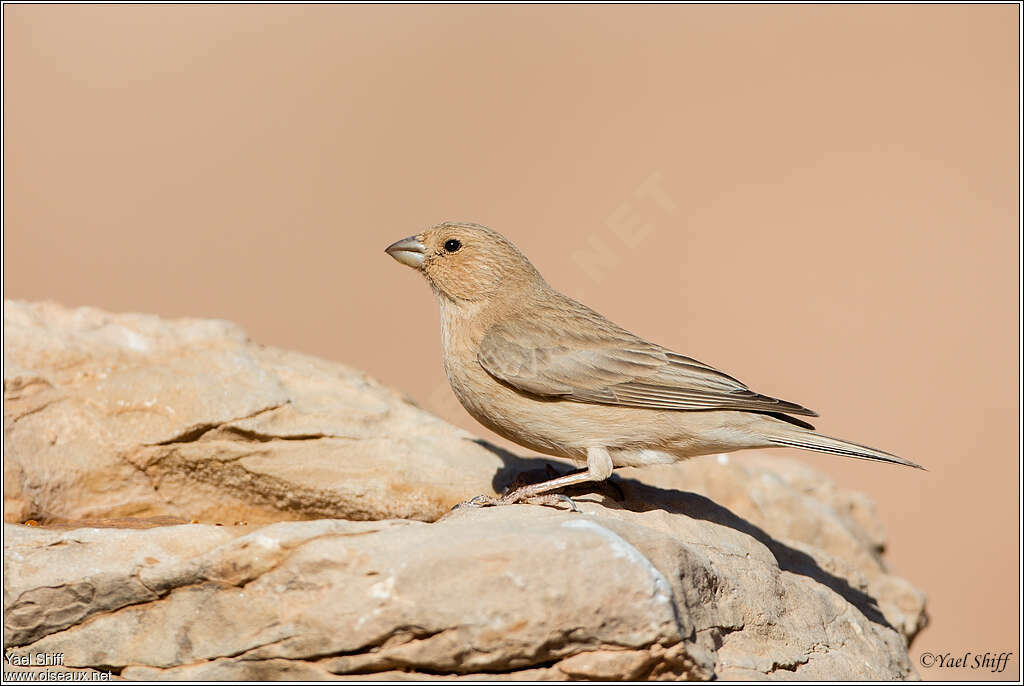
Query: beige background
point(820, 200)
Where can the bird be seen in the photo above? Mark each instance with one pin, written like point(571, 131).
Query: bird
point(550, 374)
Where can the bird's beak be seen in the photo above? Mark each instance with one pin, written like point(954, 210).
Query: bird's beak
point(408, 251)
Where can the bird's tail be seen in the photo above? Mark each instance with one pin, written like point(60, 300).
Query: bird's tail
point(793, 437)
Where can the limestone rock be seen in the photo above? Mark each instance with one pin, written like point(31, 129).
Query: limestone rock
point(129, 415)
point(620, 590)
point(745, 567)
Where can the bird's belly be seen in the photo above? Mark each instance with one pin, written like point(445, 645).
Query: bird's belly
point(640, 458)
point(537, 424)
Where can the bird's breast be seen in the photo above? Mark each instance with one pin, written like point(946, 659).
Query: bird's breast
point(498, 407)
point(460, 342)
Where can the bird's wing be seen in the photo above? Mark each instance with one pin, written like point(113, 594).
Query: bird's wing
point(597, 362)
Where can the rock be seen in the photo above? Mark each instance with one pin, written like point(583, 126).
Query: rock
point(737, 568)
point(620, 590)
point(130, 415)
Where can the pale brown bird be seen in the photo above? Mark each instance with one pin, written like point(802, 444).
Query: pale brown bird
point(550, 374)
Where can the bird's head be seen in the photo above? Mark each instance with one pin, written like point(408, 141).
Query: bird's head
point(466, 262)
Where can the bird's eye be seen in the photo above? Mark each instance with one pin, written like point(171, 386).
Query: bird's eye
point(452, 245)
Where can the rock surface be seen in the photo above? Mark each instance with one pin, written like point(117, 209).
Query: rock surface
point(130, 415)
point(738, 568)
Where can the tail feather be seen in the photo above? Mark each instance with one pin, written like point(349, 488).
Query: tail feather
point(809, 440)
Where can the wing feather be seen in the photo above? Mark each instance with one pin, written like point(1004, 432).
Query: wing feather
point(607, 365)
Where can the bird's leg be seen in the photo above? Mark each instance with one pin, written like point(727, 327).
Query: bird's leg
point(599, 468)
point(549, 499)
point(534, 490)
point(537, 494)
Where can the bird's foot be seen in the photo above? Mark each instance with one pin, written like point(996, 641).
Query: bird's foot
point(549, 500)
point(479, 501)
point(520, 495)
point(528, 494)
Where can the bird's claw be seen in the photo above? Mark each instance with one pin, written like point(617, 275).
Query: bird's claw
point(519, 495)
point(523, 495)
point(552, 500)
point(478, 501)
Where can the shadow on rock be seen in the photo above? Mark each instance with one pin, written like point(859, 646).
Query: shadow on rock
point(643, 497)
point(637, 496)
